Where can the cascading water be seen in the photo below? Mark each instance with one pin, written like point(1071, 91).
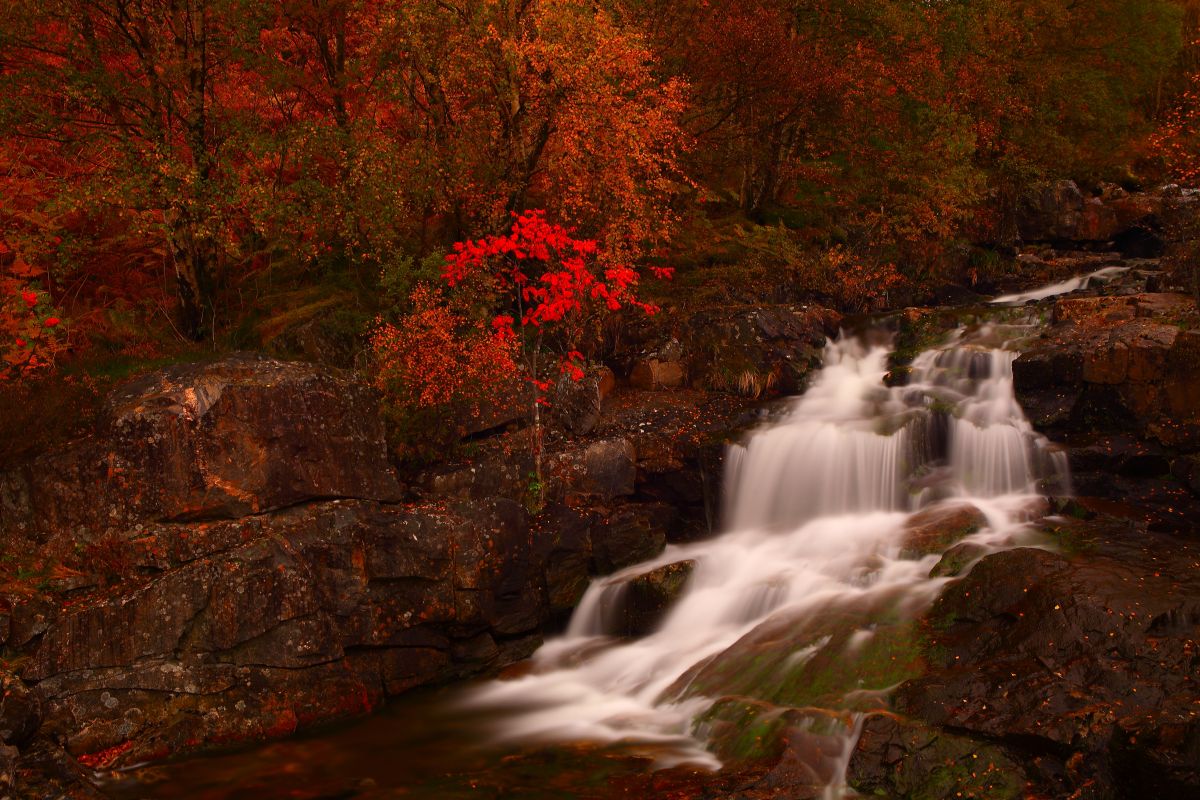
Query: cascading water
point(1103, 275)
point(816, 567)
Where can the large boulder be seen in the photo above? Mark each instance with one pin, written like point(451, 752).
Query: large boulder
point(1117, 363)
point(251, 629)
point(1084, 664)
point(240, 436)
point(1051, 212)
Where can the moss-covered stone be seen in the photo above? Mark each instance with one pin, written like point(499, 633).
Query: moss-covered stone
point(896, 758)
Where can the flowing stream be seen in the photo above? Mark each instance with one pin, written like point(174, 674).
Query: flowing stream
point(822, 509)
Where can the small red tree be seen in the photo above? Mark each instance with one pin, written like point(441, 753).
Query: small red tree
point(552, 284)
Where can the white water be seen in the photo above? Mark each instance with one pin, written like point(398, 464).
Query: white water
point(817, 507)
point(1063, 287)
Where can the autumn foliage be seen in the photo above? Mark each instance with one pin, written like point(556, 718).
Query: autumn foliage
point(548, 287)
point(437, 368)
point(31, 332)
point(175, 167)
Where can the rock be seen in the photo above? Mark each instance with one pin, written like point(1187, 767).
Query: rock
point(1050, 213)
point(1097, 222)
point(9, 757)
point(654, 374)
point(631, 533)
point(1076, 661)
point(45, 770)
point(20, 711)
point(224, 440)
point(937, 528)
point(506, 476)
point(1186, 470)
point(957, 560)
point(577, 404)
point(902, 758)
point(601, 471)
point(1117, 363)
point(795, 751)
point(256, 628)
point(1158, 755)
point(565, 534)
point(510, 405)
point(749, 351)
point(640, 602)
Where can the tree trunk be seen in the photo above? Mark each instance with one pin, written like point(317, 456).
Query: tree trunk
point(194, 262)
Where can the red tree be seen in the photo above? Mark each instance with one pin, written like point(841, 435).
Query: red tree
point(553, 284)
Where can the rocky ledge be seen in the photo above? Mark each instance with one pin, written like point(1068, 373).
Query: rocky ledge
point(247, 563)
point(1116, 379)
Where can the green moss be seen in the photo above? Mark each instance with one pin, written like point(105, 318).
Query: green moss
point(823, 666)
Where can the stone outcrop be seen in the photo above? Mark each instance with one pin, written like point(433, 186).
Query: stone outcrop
point(271, 575)
point(274, 573)
point(1117, 379)
point(241, 436)
point(752, 351)
point(1133, 222)
point(253, 628)
point(1071, 673)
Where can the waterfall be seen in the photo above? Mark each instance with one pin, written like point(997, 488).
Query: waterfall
point(818, 508)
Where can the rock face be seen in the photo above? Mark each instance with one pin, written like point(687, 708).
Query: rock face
point(1059, 211)
point(651, 595)
point(213, 441)
point(253, 628)
point(1118, 380)
point(272, 577)
point(753, 352)
point(1079, 670)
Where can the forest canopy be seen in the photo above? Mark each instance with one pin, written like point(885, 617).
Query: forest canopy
point(217, 170)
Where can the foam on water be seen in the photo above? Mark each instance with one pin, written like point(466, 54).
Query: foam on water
point(817, 506)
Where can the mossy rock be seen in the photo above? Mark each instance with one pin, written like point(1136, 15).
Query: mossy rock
point(896, 757)
point(831, 660)
point(957, 560)
point(938, 528)
point(742, 731)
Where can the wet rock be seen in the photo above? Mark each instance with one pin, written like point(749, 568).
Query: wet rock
point(957, 560)
point(643, 600)
point(935, 529)
point(1074, 660)
point(1159, 755)
point(256, 628)
point(794, 750)
point(210, 441)
point(759, 350)
point(629, 534)
point(566, 535)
